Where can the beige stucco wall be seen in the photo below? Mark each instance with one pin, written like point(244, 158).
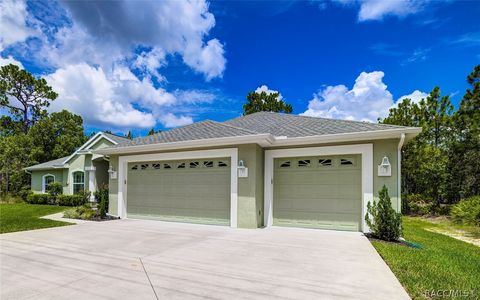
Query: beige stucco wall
point(113, 188)
point(250, 190)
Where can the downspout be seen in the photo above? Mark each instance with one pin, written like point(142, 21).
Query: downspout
point(399, 171)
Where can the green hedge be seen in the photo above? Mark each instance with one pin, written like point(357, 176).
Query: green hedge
point(40, 199)
point(62, 200)
point(467, 211)
point(71, 200)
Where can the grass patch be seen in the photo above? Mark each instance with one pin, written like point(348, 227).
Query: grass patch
point(443, 263)
point(22, 216)
point(447, 225)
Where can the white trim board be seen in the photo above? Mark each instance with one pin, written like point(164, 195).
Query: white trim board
point(365, 150)
point(226, 152)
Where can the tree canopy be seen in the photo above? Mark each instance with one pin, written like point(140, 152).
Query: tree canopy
point(25, 96)
point(443, 162)
point(265, 102)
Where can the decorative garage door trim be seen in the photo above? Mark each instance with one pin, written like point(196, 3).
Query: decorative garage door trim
point(232, 153)
point(365, 150)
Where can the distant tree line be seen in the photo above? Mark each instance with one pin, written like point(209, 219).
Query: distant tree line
point(442, 164)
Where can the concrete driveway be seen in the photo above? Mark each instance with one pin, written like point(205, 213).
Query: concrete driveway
point(138, 259)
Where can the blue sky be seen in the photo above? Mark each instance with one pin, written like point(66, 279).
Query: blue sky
point(136, 65)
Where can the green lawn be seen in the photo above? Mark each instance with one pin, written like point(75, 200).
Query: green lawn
point(22, 216)
point(443, 263)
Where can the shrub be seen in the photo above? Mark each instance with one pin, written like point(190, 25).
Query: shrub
point(385, 222)
point(101, 197)
point(84, 212)
point(55, 189)
point(467, 211)
point(39, 199)
point(418, 204)
point(24, 192)
point(70, 200)
point(85, 195)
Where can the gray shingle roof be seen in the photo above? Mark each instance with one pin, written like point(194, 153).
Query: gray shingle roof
point(48, 165)
point(279, 124)
point(116, 138)
point(197, 131)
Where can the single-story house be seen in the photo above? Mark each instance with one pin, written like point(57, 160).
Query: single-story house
point(258, 170)
point(82, 170)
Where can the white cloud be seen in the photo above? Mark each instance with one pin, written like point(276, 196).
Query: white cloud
point(170, 120)
point(268, 91)
point(87, 91)
point(10, 60)
point(374, 10)
point(117, 99)
point(13, 19)
point(415, 96)
point(103, 33)
point(366, 101)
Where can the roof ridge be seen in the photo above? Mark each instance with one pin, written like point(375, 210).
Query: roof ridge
point(321, 118)
point(240, 128)
point(116, 135)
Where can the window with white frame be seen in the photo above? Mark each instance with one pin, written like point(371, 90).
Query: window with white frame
point(78, 181)
point(47, 179)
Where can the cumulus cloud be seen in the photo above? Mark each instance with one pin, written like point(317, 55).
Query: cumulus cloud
point(13, 23)
point(265, 89)
point(415, 96)
point(9, 60)
point(368, 100)
point(375, 10)
point(169, 27)
point(117, 99)
point(170, 120)
point(105, 58)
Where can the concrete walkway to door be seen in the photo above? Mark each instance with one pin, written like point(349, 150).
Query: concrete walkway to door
point(139, 259)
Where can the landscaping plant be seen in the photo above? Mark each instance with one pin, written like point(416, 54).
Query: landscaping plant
point(55, 189)
point(384, 222)
point(467, 212)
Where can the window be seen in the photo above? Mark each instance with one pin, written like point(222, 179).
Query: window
point(285, 164)
point(135, 167)
point(47, 179)
point(181, 166)
point(78, 182)
point(144, 166)
point(156, 166)
point(208, 164)
point(194, 164)
point(167, 166)
point(304, 163)
point(346, 162)
point(222, 164)
point(325, 162)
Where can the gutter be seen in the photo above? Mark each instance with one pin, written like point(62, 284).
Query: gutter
point(265, 140)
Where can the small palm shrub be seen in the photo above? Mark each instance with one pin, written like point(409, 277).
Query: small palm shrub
point(384, 222)
point(467, 211)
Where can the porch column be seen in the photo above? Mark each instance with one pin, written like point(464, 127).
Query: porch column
point(91, 182)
